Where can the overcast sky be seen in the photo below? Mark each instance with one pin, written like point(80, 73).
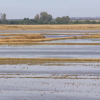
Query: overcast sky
point(19, 9)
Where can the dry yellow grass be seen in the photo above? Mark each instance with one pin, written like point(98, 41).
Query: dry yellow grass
point(45, 60)
point(51, 27)
point(31, 38)
point(34, 39)
point(38, 43)
point(41, 34)
point(24, 36)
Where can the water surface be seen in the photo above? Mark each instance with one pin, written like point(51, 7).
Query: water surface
point(51, 81)
point(50, 51)
point(71, 81)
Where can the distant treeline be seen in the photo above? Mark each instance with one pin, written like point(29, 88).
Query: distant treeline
point(34, 22)
point(45, 18)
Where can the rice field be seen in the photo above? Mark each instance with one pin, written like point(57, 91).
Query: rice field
point(31, 39)
point(49, 65)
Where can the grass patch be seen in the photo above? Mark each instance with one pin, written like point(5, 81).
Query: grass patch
point(34, 39)
point(37, 43)
point(51, 27)
point(24, 36)
point(35, 61)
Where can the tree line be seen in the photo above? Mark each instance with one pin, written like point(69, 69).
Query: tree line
point(45, 18)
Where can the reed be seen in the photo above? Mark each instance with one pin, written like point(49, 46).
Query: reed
point(38, 43)
point(51, 27)
point(25, 36)
point(32, 38)
point(35, 61)
point(4, 34)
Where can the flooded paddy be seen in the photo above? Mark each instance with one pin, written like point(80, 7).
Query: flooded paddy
point(75, 41)
point(50, 51)
point(60, 36)
point(48, 80)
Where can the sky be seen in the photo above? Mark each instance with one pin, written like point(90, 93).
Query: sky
point(19, 9)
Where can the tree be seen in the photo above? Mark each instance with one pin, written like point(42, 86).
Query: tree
point(44, 16)
point(37, 17)
point(93, 22)
point(26, 18)
point(67, 19)
point(59, 20)
point(50, 17)
point(4, 17)
point(87, 22)
point(78, 22)
point(62, 20)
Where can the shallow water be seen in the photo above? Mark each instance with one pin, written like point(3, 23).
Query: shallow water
point(59, 36)
point(71, 81)
point(2, 36)
point(75, 41)
point(51, 81)
point(50, 51)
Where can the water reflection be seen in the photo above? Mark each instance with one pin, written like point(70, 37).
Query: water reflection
point(50, 51)
point(42, 82)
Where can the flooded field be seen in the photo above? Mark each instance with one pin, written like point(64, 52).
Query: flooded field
point(50, 51)
point(75, 41)
point(65, 81)
point(50, 80)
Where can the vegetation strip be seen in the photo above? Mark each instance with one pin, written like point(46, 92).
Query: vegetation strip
point(51, 59)
point(51, 27)
point(33, 39)
point(36, 61)
point(34, 43)
point(5, 34)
